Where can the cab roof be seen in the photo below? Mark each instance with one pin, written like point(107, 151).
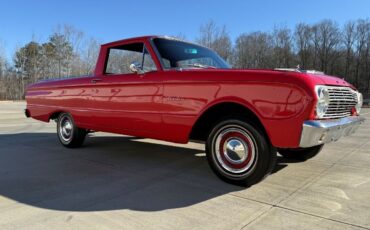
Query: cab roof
point(141, 38)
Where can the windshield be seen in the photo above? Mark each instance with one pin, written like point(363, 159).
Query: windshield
point(178, 54)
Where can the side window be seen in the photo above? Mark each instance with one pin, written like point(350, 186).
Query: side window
point(121, 57)
point(148, 63)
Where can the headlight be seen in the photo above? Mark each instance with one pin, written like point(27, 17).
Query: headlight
point(322, 101)
point(360, 101)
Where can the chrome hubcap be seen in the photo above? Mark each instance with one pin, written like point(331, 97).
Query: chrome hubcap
point(66, 129)
point(235, 150)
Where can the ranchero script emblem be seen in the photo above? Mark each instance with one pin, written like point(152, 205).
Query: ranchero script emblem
point(173, 98)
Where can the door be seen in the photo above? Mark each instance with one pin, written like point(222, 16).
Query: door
point(125, 101)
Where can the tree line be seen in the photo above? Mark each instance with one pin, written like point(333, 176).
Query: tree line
point(340, 50)
point(67, 53)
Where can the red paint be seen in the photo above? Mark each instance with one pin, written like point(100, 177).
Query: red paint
point(166, 104)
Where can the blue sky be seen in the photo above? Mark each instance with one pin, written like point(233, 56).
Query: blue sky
point(109, 20)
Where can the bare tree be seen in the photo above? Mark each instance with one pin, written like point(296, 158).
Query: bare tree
point(349, 36)
point(216, 38)
point(89, 56)
point(2, 71)
point(315, 40)
point(253, 50)
point(282, 47)
point(75, 37)
point(2, 60)
point(208, 33)
point(303, 37)
point(180, 36)
point(367, 64)
point(362, 34)
point(327, 40)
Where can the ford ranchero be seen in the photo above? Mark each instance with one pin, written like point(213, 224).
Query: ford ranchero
point(163, 88)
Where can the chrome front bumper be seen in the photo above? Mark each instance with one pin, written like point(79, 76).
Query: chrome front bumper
point(317, 132)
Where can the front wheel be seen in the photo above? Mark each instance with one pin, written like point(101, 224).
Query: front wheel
point(301, 154)
point(68, 133)
point(239, 153)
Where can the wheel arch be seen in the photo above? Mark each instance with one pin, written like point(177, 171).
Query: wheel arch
point(215, 112)
point(54, 115)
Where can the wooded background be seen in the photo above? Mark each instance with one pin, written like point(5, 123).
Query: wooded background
point(340, 50)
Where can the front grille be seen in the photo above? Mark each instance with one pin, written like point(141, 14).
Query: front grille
point(341, 102)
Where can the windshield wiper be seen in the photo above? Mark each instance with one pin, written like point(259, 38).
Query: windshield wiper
point(198, 65)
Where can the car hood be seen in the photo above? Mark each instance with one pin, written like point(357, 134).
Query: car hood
point(328, 80)
point(310, 77)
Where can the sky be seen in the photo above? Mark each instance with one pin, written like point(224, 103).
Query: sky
point(110, 20)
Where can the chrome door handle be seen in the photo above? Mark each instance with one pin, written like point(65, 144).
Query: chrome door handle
point(95, 80)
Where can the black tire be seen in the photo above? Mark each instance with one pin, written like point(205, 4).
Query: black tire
point(245, 158)
point(68, 133)
point(301, 154)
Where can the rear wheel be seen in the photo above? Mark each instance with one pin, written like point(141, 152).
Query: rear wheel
point(239, 153)
point(68, 133)
point(301, 154)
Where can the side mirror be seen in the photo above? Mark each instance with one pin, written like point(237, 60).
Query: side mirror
point(135, 67)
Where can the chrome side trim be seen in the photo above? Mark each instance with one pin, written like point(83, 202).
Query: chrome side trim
point(317, 132)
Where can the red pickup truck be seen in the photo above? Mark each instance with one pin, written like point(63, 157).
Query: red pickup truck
point(163, 88)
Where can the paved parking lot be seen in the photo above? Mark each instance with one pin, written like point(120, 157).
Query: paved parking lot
point(130, 183)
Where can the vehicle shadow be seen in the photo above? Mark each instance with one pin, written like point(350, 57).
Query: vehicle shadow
point(282, 163)
point(107, 173)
